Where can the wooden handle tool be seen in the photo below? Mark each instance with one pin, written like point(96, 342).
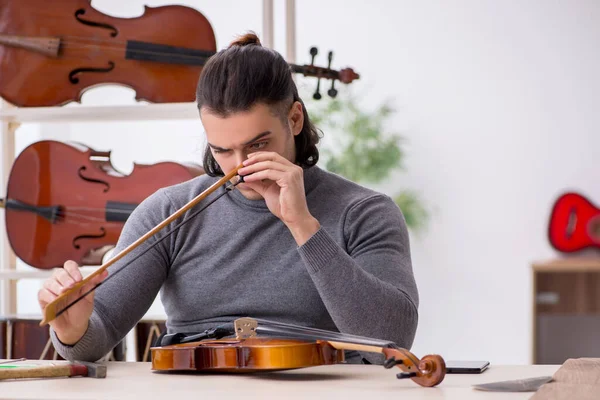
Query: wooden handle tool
point(90, 370)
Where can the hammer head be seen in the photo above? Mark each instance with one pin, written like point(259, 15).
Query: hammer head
point(91, 370)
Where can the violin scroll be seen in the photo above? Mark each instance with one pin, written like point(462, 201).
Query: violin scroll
point(429, 371)
point(347, 75)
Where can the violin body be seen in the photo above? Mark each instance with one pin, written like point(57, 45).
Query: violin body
point(244, 355)
point(52, 51)
point(67, 201)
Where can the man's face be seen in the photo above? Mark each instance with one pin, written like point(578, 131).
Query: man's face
point(232, 138)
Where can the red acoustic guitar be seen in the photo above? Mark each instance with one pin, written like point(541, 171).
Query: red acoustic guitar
point(574, 223)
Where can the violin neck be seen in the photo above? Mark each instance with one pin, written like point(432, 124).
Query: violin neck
point(336, 339)
point(356, 346)
point(314, 71)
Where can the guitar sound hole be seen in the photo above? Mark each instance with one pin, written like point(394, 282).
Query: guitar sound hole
point(572, 222)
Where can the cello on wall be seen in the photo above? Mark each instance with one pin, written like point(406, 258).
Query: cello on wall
point(51, 52)
point(68, 202)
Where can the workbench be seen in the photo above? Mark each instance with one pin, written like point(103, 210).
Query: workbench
point(127, 380)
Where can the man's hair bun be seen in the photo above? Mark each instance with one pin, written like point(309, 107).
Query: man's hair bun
point(245, 40)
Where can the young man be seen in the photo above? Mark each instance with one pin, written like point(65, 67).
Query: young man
point(293, 243)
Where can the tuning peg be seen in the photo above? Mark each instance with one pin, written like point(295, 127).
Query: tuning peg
point(405, 375)
point(332, 92)
point(391, 362)
point(313, 53)
point(317, 95)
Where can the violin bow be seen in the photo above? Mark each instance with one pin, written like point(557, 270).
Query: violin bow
point(58, 305)
point(428, 371)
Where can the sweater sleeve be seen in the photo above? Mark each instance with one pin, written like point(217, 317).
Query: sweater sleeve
point(129, 290)
point(368, 288)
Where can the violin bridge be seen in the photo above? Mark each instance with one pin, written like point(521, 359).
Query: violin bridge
point(245, 327)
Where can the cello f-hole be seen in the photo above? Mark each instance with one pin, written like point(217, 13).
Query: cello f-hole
point(81, 11)
point(80, 237)
point(85, 178)
point(73, 79)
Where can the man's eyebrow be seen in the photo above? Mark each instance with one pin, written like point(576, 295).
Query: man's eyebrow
point(259, 136)
point(217, 147)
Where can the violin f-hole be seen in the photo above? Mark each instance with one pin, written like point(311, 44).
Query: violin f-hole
point(85, 178)
point(73, 79)
point(81, 237)
point(81, 11)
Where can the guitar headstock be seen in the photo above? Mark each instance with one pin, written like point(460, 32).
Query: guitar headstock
point(346, 75)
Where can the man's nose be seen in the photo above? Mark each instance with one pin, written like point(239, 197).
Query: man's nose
point(240, 156)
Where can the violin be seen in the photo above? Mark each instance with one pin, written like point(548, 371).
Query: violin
point(68, 202)
point(283, 347)
point(51, 52)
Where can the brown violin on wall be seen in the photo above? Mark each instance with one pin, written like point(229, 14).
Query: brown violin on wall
point(52, 51)
point(67, 201)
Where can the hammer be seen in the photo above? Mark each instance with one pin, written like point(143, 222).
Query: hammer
point(80, 368)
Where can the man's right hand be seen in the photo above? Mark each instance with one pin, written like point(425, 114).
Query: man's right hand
point(72, 324)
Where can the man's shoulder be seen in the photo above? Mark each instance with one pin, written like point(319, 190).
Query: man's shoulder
point(344, 192)
point(362, 209)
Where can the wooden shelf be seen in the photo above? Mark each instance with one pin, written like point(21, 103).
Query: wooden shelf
point(79, 113)
point(569, 264)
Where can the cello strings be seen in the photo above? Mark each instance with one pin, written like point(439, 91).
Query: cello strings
point(66, 211)
point(228, 189)
point(119, 49)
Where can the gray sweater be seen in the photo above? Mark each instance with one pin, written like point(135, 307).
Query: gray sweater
point(237, 259)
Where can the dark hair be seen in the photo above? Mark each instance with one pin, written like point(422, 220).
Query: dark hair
point(246, 73)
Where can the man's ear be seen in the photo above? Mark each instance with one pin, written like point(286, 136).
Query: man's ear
point(296, 118)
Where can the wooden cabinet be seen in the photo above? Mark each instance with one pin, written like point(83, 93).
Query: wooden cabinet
point(566, 309)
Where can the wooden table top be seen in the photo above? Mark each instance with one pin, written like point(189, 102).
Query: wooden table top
point(126, 380)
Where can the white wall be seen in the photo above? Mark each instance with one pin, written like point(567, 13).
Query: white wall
point(497, 103)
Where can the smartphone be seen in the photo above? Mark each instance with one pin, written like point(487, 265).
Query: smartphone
point(466, 367)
